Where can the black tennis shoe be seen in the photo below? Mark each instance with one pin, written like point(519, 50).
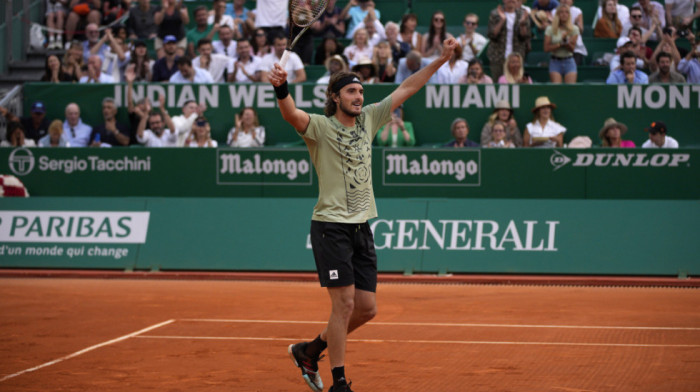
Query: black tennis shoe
point(342, 388)
point(308, 366)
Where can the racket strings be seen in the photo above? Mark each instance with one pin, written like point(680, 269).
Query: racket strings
point(305, 12)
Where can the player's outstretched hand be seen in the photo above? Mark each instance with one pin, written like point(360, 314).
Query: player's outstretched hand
point(448, 48)
point(277, 75)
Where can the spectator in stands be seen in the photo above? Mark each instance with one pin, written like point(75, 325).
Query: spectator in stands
point(628, 73)
point(635, 20)
point(157, 135)
point(218, 17)
point(136, 110)
point(386, 69)
point(690, 65)
point(625, 44)
point(165, 67)
point(658, 137)
point(356, 11)
point(475, 74)
point(53, 71)
point(375, 29)
point(409, 65)
point(399, 49)
point(436, 35)
point(225, 45)
point(360, 47)
point(55, 15)
point(611, 135)
point(240, 13)
point(452, 71)
point(140, 62)
point(112, 10)
point(294, 67)
point(201, 134)
point(110, 132)
point(623, 13)
point(331, 23)
point(665, 72)
point(171, 20)
point(334, 65)
point(460, 133)
point(246, 66)
point(653, 15)
point(542, 13)
point(271, 16)
point(498, 133)
point(545, 5)
point(201, 30)
point(668, 45)
point(247, 132)
point(329, 47)
point(514, 70)
point(183, 123)
point(508, 32)
point(609, 25)
point(502, 113)
point(679, 13)
point(217, 65)
point(187, 73)
point(116, 57)
point(35, 126)
point(408, 33)
point(73, 62)
point(366, 70)
point(543, 131)
point(15, 137)
point(94, 72)
point(76, 132)
point(261, 46)
point(81, 12)
point(580, 51)
point(397, 133)
point(55, 136)
point(472, 43)
point(560, 39)
point(141, 23)
point(93, 44)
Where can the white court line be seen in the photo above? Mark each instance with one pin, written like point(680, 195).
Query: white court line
point(83, 351)
point(426, 341)
point(450, 324)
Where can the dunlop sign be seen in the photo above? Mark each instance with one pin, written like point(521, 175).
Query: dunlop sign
point(268, 166)
point(431, 167)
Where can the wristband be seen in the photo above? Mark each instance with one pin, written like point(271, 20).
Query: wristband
point(282, 91)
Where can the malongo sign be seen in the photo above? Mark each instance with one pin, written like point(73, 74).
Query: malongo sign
point(267, 166)
point(432, 167)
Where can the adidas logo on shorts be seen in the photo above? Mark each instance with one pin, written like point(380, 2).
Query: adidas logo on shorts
point(334, 274)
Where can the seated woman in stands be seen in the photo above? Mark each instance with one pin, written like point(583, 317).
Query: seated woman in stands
point(248, 132)
point(560, 39)
point(433, 39)
point(503, 113)
point(384, 63)
point(609, 25)
point(543, 131)
point(408, 33)
point(360, 48)
point(514, 70)
point(498, 131)
point(475, 74)
point(15, 137)
point(611, 135)
point(53, 71)
point(200, 136)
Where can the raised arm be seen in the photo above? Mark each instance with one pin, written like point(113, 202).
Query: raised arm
point(299, 119)
point(416, 81)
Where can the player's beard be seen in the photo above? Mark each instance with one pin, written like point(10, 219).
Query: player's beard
point(349, 109)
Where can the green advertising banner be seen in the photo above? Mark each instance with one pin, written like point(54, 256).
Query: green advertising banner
point(543, 236)
point(581, 108)
point(412, 172)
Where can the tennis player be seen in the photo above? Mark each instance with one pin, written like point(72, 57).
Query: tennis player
point(340, 146)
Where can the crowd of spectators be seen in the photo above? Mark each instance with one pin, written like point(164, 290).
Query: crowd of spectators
point(231, 43)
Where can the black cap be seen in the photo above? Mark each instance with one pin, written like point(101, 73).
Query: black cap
point(656, 127)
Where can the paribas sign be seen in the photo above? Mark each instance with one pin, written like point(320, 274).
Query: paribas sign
point(559, 159)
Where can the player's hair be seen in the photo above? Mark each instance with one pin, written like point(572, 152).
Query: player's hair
point(331, 105)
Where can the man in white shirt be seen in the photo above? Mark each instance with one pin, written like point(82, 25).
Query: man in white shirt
point(375, 30)
point(225, 45)
point(75, 131)
point(472, 43)
point(217, 64)
point(188, 74)
point(653, 13)
point(271, 16)
point(245, 68)
point(183, 123)
point(658, 137)
point(157, 135)
point(95, 74)
point(679, 13)
point(294, 67)
point(218, 16)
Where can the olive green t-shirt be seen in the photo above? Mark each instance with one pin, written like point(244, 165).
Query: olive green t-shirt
point(342, 158)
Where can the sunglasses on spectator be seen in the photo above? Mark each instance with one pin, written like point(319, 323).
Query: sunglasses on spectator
point(439, 19)
point(636, 16)
point(468, 23)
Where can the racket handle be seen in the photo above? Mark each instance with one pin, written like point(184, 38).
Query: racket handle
point(285, 57)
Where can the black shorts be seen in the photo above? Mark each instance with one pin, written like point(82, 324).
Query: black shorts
point(344, 254)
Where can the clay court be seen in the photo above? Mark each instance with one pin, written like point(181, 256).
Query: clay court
point(64, 334)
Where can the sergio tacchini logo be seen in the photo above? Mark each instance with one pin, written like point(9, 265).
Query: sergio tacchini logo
point(21, 161)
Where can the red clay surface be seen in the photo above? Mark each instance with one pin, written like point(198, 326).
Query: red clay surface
point(209, 335)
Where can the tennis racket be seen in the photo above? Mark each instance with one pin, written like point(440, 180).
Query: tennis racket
point(302, 13)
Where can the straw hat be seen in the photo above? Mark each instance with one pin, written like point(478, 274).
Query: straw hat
point(502, 105)
point(338, 58)
point(609, 123)
point(539, 18)
point(365, 62)
point(541, 102)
